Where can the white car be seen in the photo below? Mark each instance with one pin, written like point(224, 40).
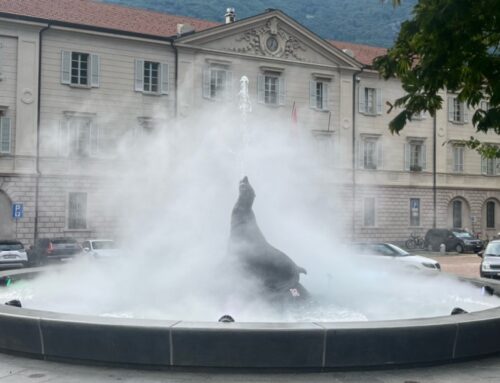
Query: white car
point(12, 253)
point(100, 248)
point(390, 250)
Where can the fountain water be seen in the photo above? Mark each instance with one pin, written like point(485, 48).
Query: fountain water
point(143, 310)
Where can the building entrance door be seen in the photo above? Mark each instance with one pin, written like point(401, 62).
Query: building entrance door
point(7, 224)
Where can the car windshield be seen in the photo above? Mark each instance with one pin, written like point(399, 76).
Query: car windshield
point(463, 234)
point(60, 241)
point(386, 249)
point(99, 245)
point(493, 249)
point(4, 246)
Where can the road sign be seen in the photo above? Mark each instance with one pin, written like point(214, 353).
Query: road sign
point(17, 210)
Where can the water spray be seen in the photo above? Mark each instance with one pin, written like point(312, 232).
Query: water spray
point(245, 106)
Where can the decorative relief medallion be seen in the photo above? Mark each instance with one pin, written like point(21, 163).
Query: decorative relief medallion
point(27, 96)
point(271, 40)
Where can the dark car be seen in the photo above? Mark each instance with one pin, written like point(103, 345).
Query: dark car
point(454, 240)
point(53, 248)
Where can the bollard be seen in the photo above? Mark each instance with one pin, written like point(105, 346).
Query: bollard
point(442, 248)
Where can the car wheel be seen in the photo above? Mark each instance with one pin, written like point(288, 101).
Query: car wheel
point(459, 248)
point(410, 244)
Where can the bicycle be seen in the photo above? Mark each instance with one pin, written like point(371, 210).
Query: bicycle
point(415, 242)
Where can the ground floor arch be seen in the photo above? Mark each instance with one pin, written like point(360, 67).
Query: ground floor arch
point(7, 224)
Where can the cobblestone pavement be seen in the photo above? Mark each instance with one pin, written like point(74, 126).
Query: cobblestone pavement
point(466, 265)
point(14, 369)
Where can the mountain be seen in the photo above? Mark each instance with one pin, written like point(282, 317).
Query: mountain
point(370, 22)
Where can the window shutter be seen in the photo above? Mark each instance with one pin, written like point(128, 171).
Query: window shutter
point(312, 94)
point(379, 101)
point(361, 153)
point(380, 157)
point(5, 134)
point(139, 75)
point(362, 101)
point(64, 138)
point(66, 67)
point(164, 78)
point(484, 165)
point(94, 139)
point(260, 89)
point(206, 82)
point(424, 157)
point(497, 166)
point(450, 109)
point(325, 96)
point(466, 112)
point(95, 68)
point(407, 157)
point(281, 90)
point(229, 85)
point(455, 159)
point(1, 61)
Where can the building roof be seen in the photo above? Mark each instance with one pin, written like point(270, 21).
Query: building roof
point(365, 54)
point(109, 16)
point(92, 13)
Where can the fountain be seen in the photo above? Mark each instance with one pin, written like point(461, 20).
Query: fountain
point(352, 318)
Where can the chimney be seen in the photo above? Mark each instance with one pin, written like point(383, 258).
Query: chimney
point(230, 15)
point(184, 29)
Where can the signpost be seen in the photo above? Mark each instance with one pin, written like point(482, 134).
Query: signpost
point(17, 212)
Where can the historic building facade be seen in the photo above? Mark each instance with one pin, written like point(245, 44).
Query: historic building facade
point(69, 68)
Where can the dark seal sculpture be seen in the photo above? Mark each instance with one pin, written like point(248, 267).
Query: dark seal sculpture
point(277, 273)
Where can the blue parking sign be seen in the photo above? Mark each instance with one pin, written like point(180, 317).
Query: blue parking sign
point(17, 210)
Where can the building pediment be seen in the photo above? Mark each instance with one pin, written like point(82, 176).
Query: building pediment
point(270, 35)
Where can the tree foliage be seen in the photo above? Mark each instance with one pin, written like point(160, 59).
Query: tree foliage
point(448, 45)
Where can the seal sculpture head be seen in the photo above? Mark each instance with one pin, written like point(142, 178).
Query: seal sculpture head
point(248, 245)
point(247, 194)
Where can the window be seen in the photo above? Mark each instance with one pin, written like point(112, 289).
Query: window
point(370, 153)
point(77, 211)
point(151, 77)
point(490, 215)
point(80, 137)
point(80, 69)
point(318, 95)
point(5, 135)
point(370, 101)
point(457, 214)
point(458, 158)
point(415, 156)
point(414, 211)
point(217, 82)
point(457, 111)
point(271, 89)
point(490, 166)
point(369, 211)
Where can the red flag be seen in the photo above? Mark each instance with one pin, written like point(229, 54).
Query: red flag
point(294, 114)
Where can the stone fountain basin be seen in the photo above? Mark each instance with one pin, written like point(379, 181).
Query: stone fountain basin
point(315, 345)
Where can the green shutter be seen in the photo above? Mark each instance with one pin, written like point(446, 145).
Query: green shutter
point(5, 135)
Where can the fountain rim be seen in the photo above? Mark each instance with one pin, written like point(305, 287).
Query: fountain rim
point(289, 345)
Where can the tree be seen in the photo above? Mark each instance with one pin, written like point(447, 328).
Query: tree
point(448, 45)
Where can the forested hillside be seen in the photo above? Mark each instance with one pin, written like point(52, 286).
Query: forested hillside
point(371, 22)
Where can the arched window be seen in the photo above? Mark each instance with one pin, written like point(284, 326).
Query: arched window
point(457, 214)
point(490, 215)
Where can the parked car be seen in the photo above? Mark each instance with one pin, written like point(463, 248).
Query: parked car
point(100, 248)
point(12, 253)
point(395, 252)
point(490, 265)
point(46, 249)
point(454, 240)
